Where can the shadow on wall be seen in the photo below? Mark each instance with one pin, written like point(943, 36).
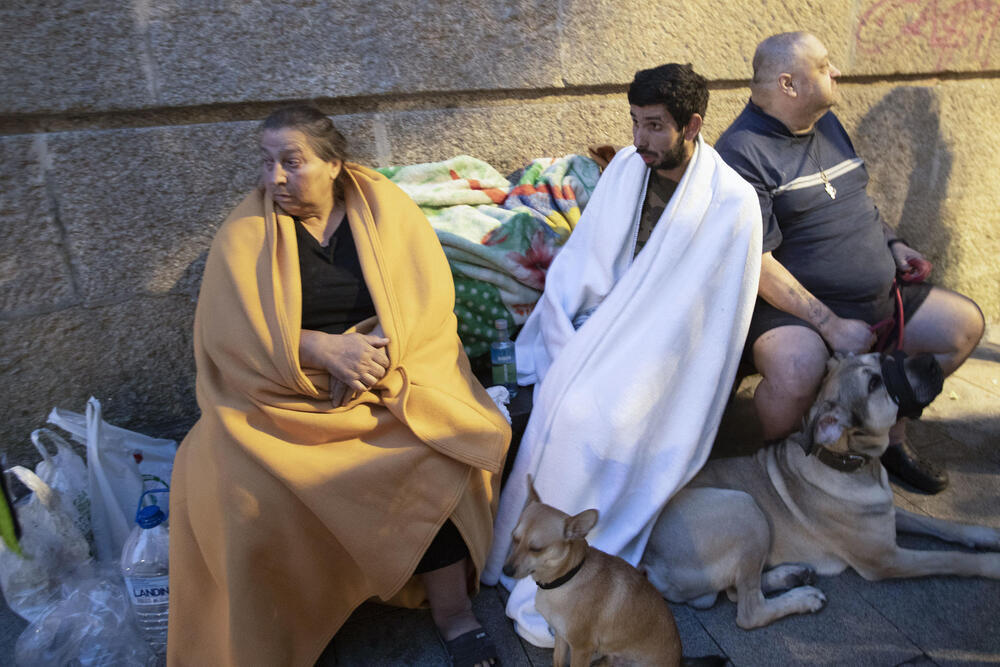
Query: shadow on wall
point(987, 351)
point(910, 165)
point(189, 282)
point(187, 285)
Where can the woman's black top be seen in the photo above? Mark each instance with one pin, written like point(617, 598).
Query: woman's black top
point(334, 294)
point(335, 298)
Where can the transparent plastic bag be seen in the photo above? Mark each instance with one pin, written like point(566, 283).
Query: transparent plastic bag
point(52, 545)
point(66, 473)
point(92, 624)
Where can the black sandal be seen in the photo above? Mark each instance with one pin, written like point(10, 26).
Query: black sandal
point(472, 648)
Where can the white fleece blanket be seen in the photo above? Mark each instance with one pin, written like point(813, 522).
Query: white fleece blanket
point(626, 407)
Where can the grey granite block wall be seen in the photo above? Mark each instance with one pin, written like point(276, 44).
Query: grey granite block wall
point(127, 133)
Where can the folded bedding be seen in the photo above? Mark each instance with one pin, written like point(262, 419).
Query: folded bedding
point(498, 233)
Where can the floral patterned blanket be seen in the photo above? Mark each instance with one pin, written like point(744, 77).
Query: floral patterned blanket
point(499, 234)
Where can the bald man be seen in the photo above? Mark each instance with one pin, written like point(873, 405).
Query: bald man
point(828, 273)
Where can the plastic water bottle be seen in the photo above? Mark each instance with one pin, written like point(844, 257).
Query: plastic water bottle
point(144, 567)
point(502, 358)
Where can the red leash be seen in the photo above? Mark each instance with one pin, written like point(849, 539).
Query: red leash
point(920, 269)
point(883, 330)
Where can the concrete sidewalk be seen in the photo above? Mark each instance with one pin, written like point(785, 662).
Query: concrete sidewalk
point(936, 620)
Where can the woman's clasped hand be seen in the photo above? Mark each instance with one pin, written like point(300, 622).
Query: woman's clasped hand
point(355, 361)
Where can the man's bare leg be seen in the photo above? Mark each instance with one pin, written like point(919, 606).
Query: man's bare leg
point(947, 325)
point(792, 361)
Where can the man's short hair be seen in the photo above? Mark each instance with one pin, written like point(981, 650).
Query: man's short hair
point(678, 87)
point(775, 55)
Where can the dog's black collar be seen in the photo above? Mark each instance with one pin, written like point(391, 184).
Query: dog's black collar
point(556, 583)
point(841, 462)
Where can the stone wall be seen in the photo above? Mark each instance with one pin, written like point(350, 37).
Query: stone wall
point(127, 133)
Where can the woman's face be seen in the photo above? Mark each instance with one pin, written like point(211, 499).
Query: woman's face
point(296, 178)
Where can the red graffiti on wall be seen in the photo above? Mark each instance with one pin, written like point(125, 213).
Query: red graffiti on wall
point(950, 29)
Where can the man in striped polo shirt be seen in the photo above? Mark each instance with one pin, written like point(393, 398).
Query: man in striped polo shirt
point(829, 269)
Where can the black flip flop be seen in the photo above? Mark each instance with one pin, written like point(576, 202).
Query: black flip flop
point(472, 648)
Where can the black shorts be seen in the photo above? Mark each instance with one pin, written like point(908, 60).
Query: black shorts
point(767, 317)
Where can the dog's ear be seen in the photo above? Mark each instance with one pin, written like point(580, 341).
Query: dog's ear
point(835, 360)
point(532, 494)
point(578, 526)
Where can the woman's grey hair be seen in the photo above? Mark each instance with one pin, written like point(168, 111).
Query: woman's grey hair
point(323, 136)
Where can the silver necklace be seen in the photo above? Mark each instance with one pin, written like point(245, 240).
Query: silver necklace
point(827, 185)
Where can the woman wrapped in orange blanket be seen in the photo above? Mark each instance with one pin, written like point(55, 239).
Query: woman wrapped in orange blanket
point(344, 451)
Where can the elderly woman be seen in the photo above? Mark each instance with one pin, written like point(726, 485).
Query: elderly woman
point(345, 450)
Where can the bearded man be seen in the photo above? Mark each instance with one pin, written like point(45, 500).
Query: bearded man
point(635, 341)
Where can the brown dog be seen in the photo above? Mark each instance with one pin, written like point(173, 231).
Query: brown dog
point(594, 602)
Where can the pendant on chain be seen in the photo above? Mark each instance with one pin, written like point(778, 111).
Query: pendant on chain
point(828, 186)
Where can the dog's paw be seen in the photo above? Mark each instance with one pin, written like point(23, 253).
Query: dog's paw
point(787, 576)
point(810, 598)
point(704, 602)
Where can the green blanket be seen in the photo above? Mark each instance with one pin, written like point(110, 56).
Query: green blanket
point(499, 235)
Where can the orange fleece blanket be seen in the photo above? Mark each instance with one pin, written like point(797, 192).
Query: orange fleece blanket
point(287, 513)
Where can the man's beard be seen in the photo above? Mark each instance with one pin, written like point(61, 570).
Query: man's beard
point(673, 158)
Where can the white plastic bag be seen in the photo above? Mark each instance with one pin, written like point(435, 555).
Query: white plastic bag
point(66, 473)
point(119, 461)
point(53, 549)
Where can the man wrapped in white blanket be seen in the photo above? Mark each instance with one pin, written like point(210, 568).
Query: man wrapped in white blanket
point(634, 344)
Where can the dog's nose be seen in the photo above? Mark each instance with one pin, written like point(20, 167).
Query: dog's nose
point(508, 570)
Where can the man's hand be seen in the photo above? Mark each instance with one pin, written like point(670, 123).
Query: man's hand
point(912, 265)
point(903, 255)
point(780, 288)
point(844, 335)
point(354, 361)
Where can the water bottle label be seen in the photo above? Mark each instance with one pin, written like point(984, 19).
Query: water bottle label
point(148, 590)
point(502, 356)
